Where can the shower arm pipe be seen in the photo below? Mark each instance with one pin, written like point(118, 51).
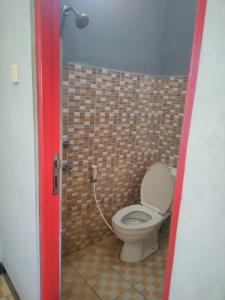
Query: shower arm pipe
point(65, 12)
point(67, 9)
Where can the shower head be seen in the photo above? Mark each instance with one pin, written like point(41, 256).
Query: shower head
point(81, 20)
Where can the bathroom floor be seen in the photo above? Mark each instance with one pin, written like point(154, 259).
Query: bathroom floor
point(5, 292)
point(97, 273)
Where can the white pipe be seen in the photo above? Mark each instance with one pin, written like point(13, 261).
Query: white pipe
point(94, 178)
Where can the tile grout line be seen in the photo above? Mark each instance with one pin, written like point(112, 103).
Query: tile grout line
point(84, 280)
point(92, 289)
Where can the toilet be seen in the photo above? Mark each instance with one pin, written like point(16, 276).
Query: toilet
point(138, 225)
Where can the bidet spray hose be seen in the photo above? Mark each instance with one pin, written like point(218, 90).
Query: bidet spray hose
point(94, 179)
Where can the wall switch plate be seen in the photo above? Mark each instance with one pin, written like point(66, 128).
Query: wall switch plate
point(14, 73)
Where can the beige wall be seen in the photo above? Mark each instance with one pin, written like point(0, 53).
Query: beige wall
point(199, 267)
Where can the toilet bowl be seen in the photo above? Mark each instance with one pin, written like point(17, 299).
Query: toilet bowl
point(137, 225)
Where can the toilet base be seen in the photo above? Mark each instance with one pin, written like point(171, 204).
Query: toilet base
point(137, 251)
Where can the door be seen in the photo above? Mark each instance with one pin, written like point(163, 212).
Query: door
point(47, 21)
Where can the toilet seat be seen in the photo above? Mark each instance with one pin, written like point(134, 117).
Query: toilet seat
point(154, 218)
point(157, 188)
point(156, 197)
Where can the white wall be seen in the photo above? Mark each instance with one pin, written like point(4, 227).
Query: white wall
point(199, 264)
point(18, 208)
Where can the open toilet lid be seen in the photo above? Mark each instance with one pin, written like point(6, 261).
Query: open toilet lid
point(157, 187)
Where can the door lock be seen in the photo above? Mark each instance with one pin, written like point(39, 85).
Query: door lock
point(56, 168)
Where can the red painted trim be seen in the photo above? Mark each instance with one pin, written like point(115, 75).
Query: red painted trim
point(191, 86)
point(47, 20)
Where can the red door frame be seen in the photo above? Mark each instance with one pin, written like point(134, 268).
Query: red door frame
point(47, 20)
point(191, 86)
point(47, 46)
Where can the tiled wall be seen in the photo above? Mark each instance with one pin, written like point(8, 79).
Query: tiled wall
point(122, 122)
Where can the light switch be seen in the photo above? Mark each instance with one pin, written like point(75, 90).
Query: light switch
point(14, 73)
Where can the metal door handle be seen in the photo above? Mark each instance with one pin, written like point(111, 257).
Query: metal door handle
point(56, 167)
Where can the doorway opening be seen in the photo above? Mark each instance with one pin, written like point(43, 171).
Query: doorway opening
point(122, 111)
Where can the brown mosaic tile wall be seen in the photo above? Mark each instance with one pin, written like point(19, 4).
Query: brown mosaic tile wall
point(122, 122)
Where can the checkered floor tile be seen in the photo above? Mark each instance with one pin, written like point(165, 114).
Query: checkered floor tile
point(108, 242)
point(111, 242)
point(109, 255)
point(97, 273)
point(114, 243)
point(90, 265)
point(132, 272)
point(81, 291)
point(70, 278)
point(78, 254)
point(108, 285)
point(158, 260)
point(131, 294)
point(151, 286)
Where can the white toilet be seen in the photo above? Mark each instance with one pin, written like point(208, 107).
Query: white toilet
point(137, 225)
